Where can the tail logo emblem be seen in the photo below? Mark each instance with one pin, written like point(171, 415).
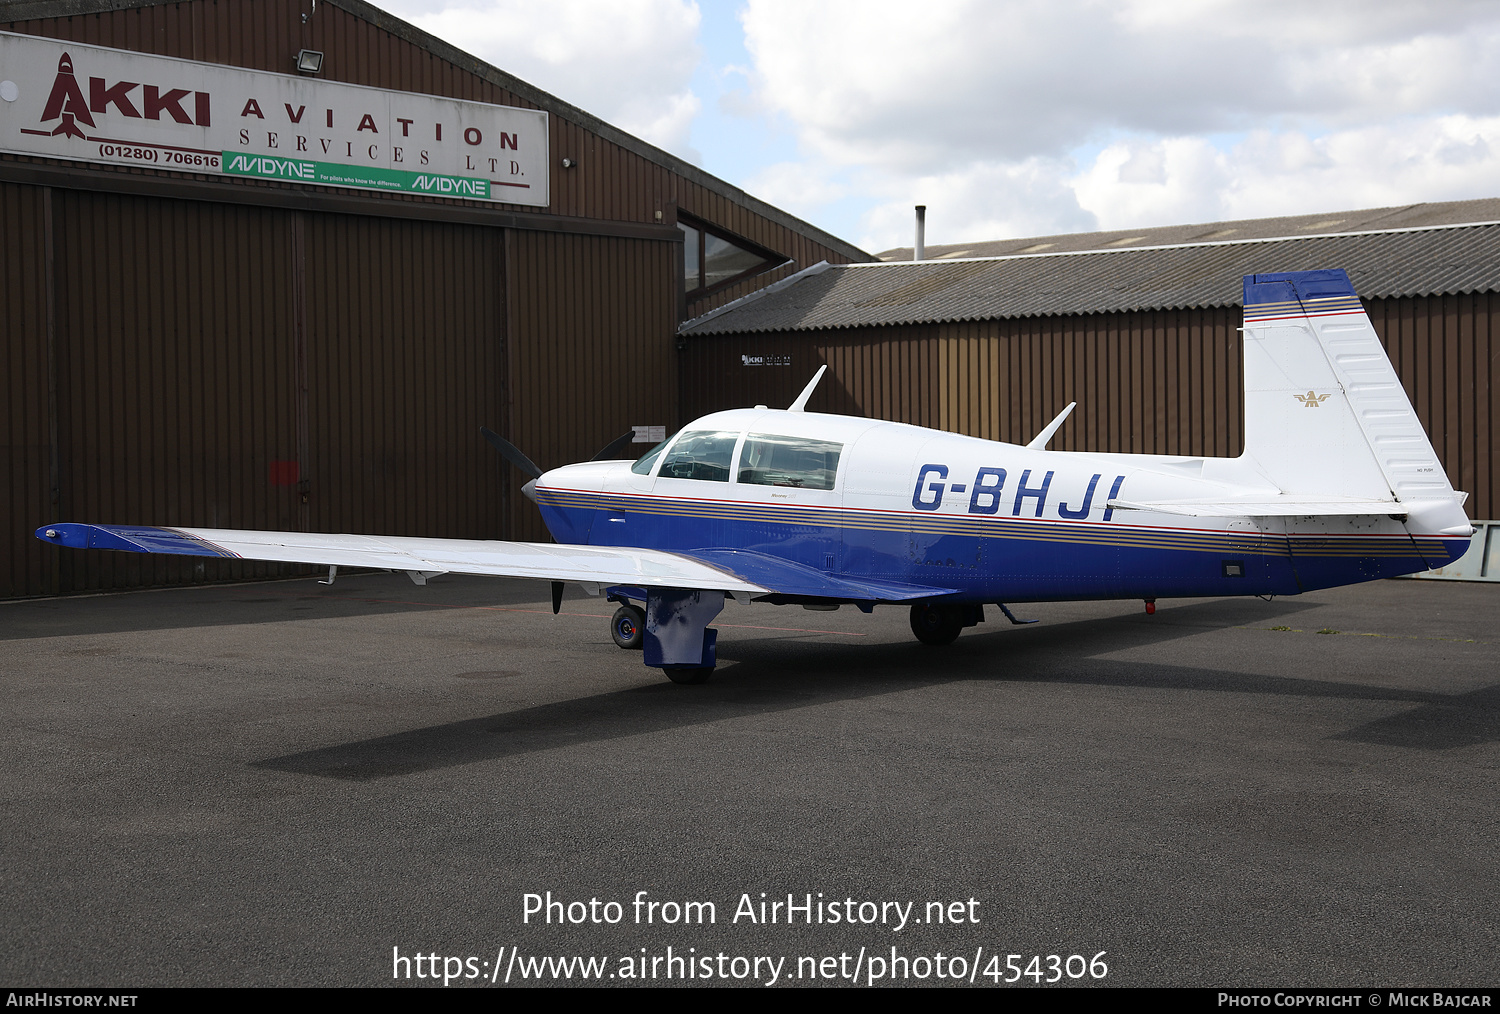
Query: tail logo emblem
point(1310, 400)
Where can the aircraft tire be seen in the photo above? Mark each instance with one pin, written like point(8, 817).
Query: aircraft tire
point(628, 627)
point(935, 623)
point(689, 676)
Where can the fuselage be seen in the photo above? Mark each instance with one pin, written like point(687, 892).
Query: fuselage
point(980, 520)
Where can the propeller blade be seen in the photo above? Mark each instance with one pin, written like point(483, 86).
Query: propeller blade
point(611, 451)
point(557, 590)
point(510, 452)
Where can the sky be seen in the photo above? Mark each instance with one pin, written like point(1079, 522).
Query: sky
point(1013, 118)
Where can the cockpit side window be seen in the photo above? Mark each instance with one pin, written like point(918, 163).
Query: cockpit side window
point(643, 464)
point(703, 455)
point(769, 460)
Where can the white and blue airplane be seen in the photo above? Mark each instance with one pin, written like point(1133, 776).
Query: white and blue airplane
point(1338, 483)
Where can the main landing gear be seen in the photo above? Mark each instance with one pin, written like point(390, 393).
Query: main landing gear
point(940, 623)
point(936, 623)
point(628, 627)
point(672, 632)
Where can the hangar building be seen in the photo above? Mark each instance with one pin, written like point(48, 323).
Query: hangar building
point(273, 264)
point(1140, 328)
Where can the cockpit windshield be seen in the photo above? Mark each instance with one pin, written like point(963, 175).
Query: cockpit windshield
point(643, 464)
point(769, 460)
point(704, 455)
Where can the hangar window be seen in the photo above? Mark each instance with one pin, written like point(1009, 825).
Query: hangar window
point(789, 461)
point(712, 259)
point(704, 455)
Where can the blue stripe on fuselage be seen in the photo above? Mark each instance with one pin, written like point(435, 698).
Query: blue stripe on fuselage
point(989, 558)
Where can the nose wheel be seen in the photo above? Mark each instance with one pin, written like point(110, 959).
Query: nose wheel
point(628, 627)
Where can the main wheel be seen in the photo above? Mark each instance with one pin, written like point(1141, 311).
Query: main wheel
point(689, 676)
point(628, 627)
point(935, 623)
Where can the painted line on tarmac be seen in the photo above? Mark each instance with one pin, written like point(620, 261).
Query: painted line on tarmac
point(1360, 633)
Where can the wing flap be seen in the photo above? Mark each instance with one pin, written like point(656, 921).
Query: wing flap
point(593, 564)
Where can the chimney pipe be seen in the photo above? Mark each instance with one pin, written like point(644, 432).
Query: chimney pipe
point(919, 252)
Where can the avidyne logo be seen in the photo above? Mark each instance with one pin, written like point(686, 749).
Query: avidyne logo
point(450, 185)
point(66, 100)
point(266, 165)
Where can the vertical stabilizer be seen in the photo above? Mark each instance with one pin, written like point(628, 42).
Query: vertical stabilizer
point(1324, 410)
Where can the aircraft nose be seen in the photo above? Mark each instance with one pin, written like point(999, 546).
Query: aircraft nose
point(530, 490)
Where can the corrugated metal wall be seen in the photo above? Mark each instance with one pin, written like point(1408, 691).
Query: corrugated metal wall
point(174, 365)
point(229, 366)
point(1446, 349)
point(26, 463)
point(1167, 382)
point(406, 360)
point(884, 373)
point(1151, 383)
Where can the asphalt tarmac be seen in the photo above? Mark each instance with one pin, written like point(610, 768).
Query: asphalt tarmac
point(289, 784)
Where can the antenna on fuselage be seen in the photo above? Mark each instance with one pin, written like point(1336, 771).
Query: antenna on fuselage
point(1039, 442)
point(801, 402)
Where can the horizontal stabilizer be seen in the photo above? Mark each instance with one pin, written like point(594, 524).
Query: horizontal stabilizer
point(646, 568)
point(1263, 508)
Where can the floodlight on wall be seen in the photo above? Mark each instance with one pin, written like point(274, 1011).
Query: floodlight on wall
point(309, 61)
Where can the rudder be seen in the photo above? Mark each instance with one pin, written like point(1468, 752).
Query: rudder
point(1324, 409)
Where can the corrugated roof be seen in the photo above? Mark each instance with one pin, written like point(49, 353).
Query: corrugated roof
point(1407, 216)
point(1409, 262)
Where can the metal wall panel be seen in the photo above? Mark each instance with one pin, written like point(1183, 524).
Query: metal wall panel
point(175, 376)
point(405, 361)
point(1162, 382)
point(231, 366)
point(26, 440)
point(1445, 351)
point(1142, 381)
point(887, 373)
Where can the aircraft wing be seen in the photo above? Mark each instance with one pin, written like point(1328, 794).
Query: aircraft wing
point(1274, 507)
point(422, 558)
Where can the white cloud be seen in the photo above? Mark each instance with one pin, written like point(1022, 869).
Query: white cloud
point(798, 187)
point(628, 62)
point(1290, 173)
point(1188, 112)
point(1026, 117)
point(977, 203)
point(868, 82)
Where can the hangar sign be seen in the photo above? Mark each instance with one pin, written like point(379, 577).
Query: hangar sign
point(90, 104)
